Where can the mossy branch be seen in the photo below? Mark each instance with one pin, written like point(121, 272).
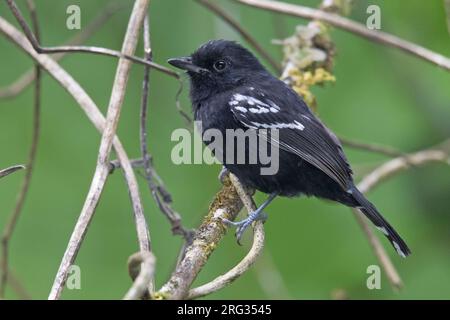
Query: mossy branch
point(225, 205)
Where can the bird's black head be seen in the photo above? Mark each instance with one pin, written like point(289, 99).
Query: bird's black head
point(218, 66)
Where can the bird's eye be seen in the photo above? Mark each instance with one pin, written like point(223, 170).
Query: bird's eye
point(220, 65)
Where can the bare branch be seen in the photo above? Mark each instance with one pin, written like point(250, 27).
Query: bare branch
point(17, 286)
point(14, 217)
point(141, 266)
point(244, 33)
point(29, 76)
point(157, 189)
point(394, 166)
point(83, 49)
point(144, 104)
point(143, 128)
point(102, 169)
point(372, 147)
point(353, 27)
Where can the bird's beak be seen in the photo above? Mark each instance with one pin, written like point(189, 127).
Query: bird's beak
point(185, 63)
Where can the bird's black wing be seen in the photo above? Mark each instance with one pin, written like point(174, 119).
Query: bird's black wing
point(299, 131)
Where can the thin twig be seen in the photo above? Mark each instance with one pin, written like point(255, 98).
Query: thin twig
point(157, 189)
point(162, 197)
point(14, 217)
point(353, 27)
point(82, 49)
point(17, 286)
point(244, 33)
point(102, 169)
point(394, 166)
point(29, 76)
point(138, 163)
point(141, 266)
point(7, 171)
point(144, 105)
point(144, 102)
point(372, 147)
point(180, 110)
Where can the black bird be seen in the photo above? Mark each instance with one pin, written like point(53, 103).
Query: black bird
point(230, 89)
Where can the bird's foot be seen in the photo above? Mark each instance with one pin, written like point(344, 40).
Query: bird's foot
point(245, 223)
point(223, 174)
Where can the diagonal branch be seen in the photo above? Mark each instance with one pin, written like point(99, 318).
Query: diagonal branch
point(248, 261)
point(372, 147)
point(353, 27)
point(439, 153)
point(225, 205)
point(102, 169)
point(83, 49)
point(29, 76)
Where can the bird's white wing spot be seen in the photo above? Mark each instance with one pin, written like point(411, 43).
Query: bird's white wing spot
point(383, 229)
point(274, 105)
point(259, 110)
point(257, 106)
point(398, 249)
point(239, 97)
point(241, 109)
point(277, 125)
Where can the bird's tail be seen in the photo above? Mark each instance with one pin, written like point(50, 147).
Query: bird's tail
point(380, 223)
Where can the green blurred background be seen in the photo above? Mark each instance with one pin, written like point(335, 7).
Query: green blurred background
point(316, 248)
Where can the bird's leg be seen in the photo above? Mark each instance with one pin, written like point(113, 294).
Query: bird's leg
point(222, 174)
point(258, 214)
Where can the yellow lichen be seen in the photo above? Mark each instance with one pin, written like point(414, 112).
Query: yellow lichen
point(302, 81)
point(160, 296)
point(210, 247)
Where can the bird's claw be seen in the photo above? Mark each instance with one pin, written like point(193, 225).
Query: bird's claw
point(245, 223)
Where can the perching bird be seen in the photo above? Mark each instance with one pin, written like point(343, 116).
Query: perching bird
point(230, 89)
